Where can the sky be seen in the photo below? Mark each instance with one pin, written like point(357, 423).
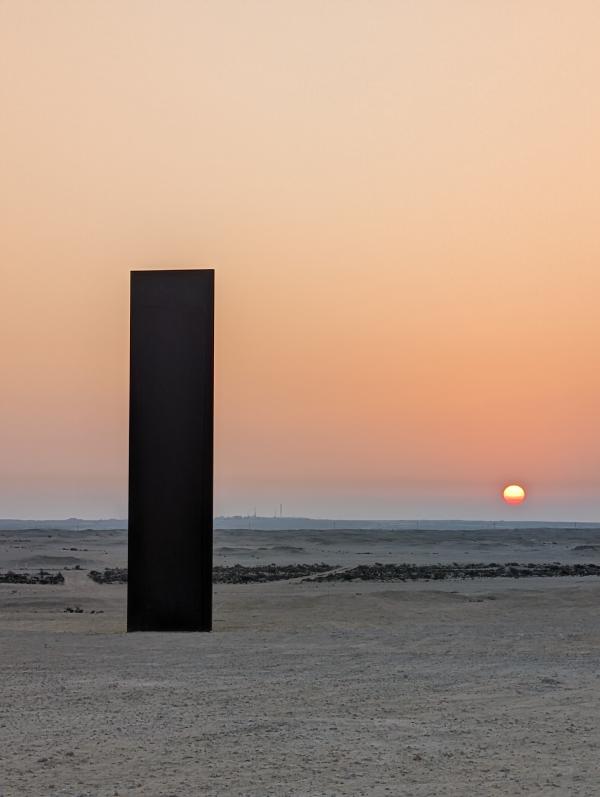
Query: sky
point(400, 200)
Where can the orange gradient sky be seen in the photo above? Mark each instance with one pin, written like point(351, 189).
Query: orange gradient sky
point(401, 203)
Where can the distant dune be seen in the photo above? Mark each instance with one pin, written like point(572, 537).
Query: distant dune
point(68, 524)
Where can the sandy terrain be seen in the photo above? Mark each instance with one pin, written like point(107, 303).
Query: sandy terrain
point(489, 687)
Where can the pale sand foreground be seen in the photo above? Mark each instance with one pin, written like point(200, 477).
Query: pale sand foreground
point(485, 688)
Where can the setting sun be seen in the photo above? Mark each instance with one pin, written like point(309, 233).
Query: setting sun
point(514, 494)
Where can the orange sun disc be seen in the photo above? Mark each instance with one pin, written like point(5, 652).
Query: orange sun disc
point(514, 494)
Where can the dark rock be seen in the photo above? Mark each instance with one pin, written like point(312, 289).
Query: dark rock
point(43, 577)
point(438, 572)
point(232, 574)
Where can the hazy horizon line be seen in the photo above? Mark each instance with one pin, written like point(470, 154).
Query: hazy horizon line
point(502, 521)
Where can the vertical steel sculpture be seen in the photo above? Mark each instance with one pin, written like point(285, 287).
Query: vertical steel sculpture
point(171, 451)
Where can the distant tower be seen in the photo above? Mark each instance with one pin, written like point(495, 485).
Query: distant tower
point(171, 451)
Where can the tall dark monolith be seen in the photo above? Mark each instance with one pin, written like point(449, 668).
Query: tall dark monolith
point(171, 451)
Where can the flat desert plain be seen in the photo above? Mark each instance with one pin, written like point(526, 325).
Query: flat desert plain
point(458, 687)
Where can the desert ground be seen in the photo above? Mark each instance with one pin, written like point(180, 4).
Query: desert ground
point(478, 687)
